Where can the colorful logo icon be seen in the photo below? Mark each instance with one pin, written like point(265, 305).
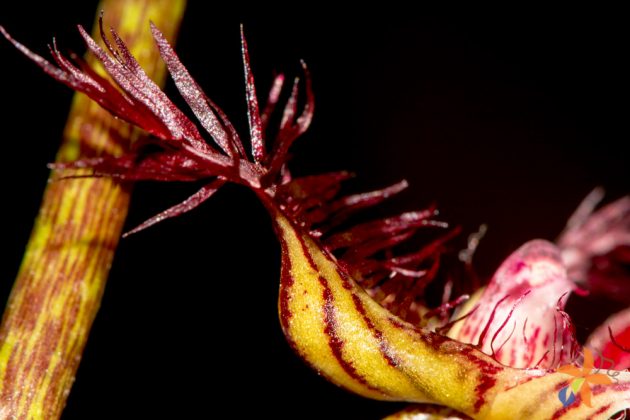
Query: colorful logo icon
point(584, 377)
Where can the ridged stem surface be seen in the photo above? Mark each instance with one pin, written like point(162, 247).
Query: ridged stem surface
point(60, 283)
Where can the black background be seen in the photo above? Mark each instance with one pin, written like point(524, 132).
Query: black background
point(502, 117)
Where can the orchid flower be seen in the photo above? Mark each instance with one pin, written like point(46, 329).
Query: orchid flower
point(351, 305)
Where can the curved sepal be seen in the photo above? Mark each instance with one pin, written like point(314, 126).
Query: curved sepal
point(354, 342)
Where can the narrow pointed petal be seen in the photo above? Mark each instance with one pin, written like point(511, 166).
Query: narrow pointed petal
point(287, 132)
point(128, 74)
point(122, 75)
point(305, 119)
point(380, 229)
point(304, 194)
point(253, 113)
point(290, 109)
point(128, 110)
point(290, 130)
point(67, 66)
point(185, 206)
point(95, 87)
point(534, 332)
point(339, 210)
point(165, 166)
point(369, 199)
point(272, 100)
point(612, 354)
point(195, 97)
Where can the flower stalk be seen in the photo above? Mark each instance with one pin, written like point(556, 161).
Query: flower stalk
point(59, 286)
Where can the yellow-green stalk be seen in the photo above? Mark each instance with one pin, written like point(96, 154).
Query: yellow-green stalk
point(60, 283)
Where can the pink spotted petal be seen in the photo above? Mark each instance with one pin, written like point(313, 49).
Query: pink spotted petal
point(594, 234)
point(519, 318)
